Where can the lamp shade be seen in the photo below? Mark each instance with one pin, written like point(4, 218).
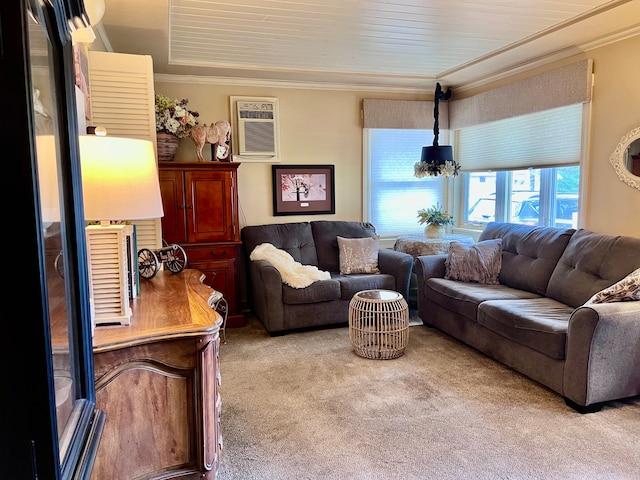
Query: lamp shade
point(437, 153)
point(119, 179)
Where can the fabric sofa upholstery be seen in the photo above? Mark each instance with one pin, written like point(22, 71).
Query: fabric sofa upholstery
point(536, 320)
point(281, 308)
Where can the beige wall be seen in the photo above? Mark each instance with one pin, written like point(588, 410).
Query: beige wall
point(316, 127)
point(324, 127)
point(613, 206)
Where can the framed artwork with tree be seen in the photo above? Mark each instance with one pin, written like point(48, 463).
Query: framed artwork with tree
point(303, 189)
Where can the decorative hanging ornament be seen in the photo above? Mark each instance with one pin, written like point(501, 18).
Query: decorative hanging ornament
point(437, 160)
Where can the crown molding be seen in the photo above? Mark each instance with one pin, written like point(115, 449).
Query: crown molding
point(553, 57)
point(255, 82)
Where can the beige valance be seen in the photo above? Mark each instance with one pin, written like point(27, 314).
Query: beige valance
point(567, 85)
point(559, 87)
point(403, 114)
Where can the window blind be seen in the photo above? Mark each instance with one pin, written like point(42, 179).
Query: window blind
point(543, 139)
point(395, 194)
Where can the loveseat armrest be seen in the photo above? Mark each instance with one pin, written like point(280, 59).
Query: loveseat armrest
point(398, 264)
point(266, 286)
point(603, 353)
point(429, 266)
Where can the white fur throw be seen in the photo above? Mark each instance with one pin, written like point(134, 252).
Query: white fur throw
point(293, 273)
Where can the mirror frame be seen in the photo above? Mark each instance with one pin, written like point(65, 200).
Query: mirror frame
point(617, 159)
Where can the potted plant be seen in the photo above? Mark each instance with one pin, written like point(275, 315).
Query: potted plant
point(436, 219)
point(173, 122)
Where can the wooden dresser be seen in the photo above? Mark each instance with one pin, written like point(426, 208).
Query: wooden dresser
point(200, 201)
point(157, 380)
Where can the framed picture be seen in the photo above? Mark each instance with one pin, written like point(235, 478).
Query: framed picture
point(303, 189)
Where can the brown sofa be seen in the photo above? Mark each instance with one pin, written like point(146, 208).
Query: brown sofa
point(536, 321)
point(281, 308)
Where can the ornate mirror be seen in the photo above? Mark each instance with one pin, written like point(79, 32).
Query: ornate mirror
point(626, 158)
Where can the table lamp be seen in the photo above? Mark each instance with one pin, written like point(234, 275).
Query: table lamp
point(119, 183)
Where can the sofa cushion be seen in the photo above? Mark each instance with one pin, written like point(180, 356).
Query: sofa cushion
point(627, 289)
point(325, 236)
point(478, 263)
point(295, 238)
point(464, 298)
point(529, 253)
point(358, 255)
point(352, 284)
point(320, 291)
point(540, 323)
point(591, 263)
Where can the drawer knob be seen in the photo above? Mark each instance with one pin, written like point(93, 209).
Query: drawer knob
point(216, 254)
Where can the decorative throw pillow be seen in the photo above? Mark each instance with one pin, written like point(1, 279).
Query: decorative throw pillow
point(358, 255)
point(626, 289)
point(479, 262)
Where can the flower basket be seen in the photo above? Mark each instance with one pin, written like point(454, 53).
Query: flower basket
point(167, 146)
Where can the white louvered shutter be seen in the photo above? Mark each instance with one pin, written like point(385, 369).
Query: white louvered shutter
point(122, 99)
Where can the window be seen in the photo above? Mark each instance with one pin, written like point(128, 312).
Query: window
point(545, 197)
point(393, 195)
point(523, 169)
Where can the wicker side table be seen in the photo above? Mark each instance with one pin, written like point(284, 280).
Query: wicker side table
point(378, 324)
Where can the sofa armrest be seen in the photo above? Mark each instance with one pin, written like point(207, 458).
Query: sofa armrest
point(428, 266)
point(398, 264)
point(603, 353)
point(266, 286)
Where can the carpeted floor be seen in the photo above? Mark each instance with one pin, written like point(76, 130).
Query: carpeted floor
point(304, 406)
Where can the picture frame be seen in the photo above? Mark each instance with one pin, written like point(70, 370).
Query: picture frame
point(303, 189)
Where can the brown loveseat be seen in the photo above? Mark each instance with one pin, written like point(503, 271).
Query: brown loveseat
point(282, 308)
point(536, 321)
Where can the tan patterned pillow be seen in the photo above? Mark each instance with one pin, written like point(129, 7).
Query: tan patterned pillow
point(478, 263)
point(625, 290)
point(358, 255)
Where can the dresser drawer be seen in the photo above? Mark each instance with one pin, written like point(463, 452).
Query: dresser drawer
point(208, 254)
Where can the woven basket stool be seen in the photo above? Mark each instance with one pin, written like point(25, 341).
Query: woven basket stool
point(378, 324)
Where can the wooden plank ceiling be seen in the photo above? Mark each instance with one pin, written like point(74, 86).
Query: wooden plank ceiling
point(386, 42)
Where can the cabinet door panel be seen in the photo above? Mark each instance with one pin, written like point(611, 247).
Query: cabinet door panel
point(150, 420)
point(173, 204)
point(209, 206)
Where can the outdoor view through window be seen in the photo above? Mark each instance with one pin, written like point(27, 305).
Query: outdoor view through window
point(545, 196)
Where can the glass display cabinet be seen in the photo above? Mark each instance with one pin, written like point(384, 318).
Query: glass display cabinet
point(50, 425)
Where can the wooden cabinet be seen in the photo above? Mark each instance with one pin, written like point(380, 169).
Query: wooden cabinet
point(200, 201)
point(158, 382)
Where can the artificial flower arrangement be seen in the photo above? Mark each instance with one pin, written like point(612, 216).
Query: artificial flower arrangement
point(433, 169)
point(172, 116)
point(435, 215)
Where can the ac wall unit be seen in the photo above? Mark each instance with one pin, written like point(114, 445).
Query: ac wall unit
point(108, 250)
point(257, 127)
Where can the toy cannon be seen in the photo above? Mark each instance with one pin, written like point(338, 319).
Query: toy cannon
point(172, 256)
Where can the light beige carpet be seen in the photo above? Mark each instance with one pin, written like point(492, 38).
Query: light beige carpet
point(304, 406)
